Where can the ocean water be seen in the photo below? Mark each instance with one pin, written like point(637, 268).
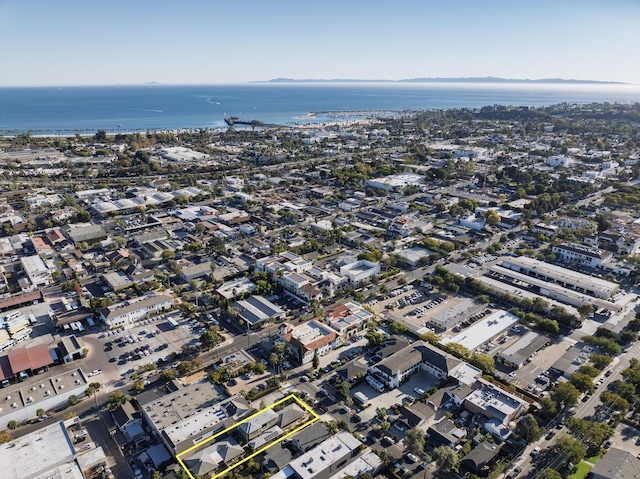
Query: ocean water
point(70, 110)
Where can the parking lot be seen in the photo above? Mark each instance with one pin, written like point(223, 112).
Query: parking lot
point(396, 396)
point(153, 339)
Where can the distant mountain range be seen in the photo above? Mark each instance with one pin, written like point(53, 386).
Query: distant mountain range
point(448, 80)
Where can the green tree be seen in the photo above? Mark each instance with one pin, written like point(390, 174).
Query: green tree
point(381, 412)
point(315, 362)
point(430, 337)
point(92, 390)
point(210, 339)
point(446, 459)
point(397, 328)
point(484, 362)
point(385, 425)
point(614, 401)
point(533, 430)
point(548, 406)
point(13, 424)
point(415, 440)
point(628, 337)
point(590, 432)
point(375, 338)
point(343, 388)
point(167, 375)
point(40, 412)
point(457, 350)
point(73, 400)
point(583, 382)
point(492, 217)
point(168, 254)
point(589, 370)
point(585, 310)
point(565, 393)
point(116, 400)
point(572, 449)
point(549, 474)
point(600, 361)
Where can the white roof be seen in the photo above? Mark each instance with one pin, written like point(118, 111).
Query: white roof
point(486, 329)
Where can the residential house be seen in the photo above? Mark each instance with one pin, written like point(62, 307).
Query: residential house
point(418, 356)
point(445, 433)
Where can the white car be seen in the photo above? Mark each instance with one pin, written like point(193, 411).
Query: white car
point(419, 391)
point(95, 372)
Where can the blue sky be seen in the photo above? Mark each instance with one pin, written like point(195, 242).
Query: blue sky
point(67, 42)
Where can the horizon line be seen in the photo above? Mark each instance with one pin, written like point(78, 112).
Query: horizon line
point(282, 80)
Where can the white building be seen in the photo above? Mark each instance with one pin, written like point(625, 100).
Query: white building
point(576, 253)
point(125, 314)
point(324, 460)
point(360, 272)
point(36, 270)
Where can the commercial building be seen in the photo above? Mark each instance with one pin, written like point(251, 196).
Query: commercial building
point(484, 330)
point(324, 460)
point(46, 453)
point(125, 314)
point(192, 413)
point(85, 233)
point(555, 290)
point(569, 279)
point(256, 310)
point(37, 273)
point(367, 463)
point(494, 402)
point(585, 255)
point(516, 354)
point(395, 182)
point(21, 402)
point(195, 271)
point(360, 272)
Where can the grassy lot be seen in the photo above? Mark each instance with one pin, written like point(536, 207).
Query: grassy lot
point(593, 459)
point(581, 471)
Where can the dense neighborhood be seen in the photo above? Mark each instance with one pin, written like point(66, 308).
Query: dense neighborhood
point(448, 293)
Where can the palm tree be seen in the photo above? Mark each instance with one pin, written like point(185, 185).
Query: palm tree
point(40, 413)
point(93, 389)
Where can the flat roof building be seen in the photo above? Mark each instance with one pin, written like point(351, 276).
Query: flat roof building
point(327, 458)
point(36, 270)
point(484, 330)
point(554, 289)
point(516, 354)
point(191, 414)
point(494, 402)
point(47, 452)
point(567, 278)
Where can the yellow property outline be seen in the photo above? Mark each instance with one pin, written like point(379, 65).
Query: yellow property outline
point(314, 418)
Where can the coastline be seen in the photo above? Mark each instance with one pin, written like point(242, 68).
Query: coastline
point(322, 120)
point(127, 110)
